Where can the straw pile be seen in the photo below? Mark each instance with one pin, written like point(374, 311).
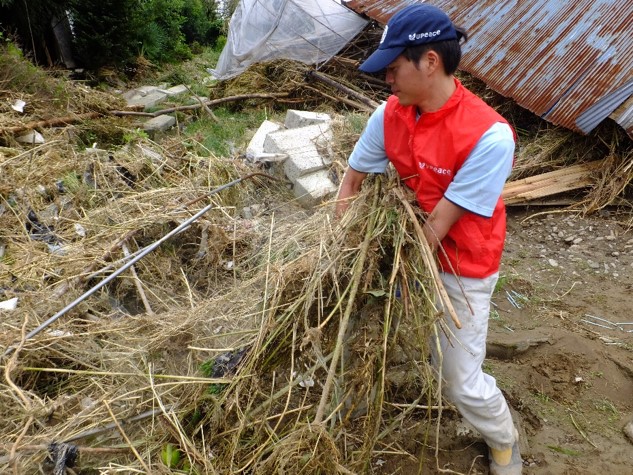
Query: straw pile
point(267, 341)
point(262, 338)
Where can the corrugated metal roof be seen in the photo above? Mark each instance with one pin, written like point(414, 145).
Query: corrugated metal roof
point(569, 62)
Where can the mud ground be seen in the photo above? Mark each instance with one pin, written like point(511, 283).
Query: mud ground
point(565, 368)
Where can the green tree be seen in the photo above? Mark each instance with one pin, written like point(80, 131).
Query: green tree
point(105, 31)
point(202, 22)
point(114, 32)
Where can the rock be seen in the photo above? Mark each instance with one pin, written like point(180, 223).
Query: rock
point(592, 264)
point(18, 105)
point(553, 262)
point(465, 429)
point(10, 304)
point(249, 212)
point(506, 350)
point(628, 430)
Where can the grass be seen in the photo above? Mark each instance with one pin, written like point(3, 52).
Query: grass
point(192, 73)
point(564, 451)
point(222, 139)
point(609, 409)
point(501, 282)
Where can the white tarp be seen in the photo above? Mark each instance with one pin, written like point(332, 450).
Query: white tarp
point(310, 31)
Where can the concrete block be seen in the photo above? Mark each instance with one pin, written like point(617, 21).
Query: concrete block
point(145, 90)
point(255, 147)
point(148, 101)
point(312, 189)
point(160, 123)
point(176, 90)
point(138, 92)
point(296, 119)
point(302, 146)
point(302, 162)
point(288, 140)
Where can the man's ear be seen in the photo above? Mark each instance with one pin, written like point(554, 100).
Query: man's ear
point(433, 60)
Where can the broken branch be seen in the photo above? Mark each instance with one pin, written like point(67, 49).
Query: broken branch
point(51, 122)
point(201, 104)
point(350, 92)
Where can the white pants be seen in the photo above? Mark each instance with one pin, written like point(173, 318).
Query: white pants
point(474, 393)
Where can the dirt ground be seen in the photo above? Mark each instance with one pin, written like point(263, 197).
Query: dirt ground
point(566, 370)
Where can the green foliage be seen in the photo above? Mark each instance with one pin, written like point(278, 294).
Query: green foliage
point(207, 370)
point(116, 32)
point(105, 32)
point(170, 456)
point(502, 281)
point(220, 42)
point(220, 138)
point(201, 22)
point(17, 73)
point(134, 135)
point(564, 451)
point(161, 36)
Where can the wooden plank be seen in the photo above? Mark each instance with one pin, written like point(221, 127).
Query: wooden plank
point(550, 183)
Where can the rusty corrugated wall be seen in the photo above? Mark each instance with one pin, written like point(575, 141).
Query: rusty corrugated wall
point(570, 62)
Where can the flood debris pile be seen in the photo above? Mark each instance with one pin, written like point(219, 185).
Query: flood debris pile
point(274, 343)
point(262, 337)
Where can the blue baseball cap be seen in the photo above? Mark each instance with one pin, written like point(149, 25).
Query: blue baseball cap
point(413, 25)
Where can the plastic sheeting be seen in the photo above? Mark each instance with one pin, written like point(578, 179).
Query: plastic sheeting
point(309, 31)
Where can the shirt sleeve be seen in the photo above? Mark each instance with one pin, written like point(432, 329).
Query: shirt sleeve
point(369, 154)
point(479, 182)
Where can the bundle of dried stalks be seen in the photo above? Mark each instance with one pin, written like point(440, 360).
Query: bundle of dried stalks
point(283, 362)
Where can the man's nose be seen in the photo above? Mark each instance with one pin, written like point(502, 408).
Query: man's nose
point(389, 77)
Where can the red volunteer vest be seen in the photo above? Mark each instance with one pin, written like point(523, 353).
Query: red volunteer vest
point(427, 154)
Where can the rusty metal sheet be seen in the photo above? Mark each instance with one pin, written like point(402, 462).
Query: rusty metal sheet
point(571, 63)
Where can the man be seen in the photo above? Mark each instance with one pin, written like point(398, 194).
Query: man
point(455, 152)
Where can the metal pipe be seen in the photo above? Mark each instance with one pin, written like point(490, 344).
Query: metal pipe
point(136, 258)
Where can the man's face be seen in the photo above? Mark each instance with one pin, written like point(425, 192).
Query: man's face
point(410, 84)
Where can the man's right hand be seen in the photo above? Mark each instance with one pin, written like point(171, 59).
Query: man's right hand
point(352, 181)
